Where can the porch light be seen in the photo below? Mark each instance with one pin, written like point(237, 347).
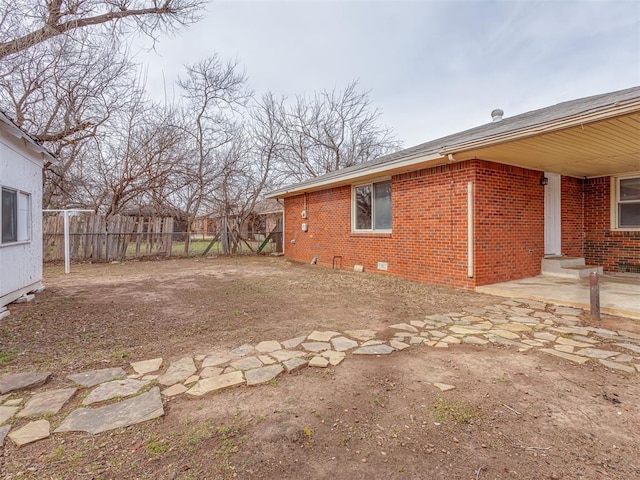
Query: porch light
point(544, 180)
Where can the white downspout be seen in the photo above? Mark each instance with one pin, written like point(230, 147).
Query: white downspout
point(470, 230)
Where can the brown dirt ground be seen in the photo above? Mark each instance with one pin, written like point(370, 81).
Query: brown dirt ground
point(367, 418)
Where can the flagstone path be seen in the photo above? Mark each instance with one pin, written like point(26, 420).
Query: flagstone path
point(127, 398)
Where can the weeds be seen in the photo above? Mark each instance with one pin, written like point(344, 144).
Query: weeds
point(446, 410)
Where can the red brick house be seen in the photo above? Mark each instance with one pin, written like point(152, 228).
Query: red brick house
point(485, 205)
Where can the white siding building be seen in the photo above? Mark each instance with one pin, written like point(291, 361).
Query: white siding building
point(21, 163)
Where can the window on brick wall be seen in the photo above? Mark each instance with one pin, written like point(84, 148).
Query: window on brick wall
point(628, 202)
point(372, 207)
point(14, 216)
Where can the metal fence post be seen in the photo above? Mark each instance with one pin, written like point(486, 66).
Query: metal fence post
point(594, 288)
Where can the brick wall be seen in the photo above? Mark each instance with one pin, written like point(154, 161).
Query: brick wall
point(602, 246)
point(509, 207)
point(572, 216)
point(429, 224)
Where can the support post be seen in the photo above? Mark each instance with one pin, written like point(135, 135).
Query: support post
point(67, 252)
point(594, 288)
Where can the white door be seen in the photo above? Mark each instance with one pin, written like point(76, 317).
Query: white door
point(552, 215)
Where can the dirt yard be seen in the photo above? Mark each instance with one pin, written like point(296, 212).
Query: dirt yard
point(512, 415)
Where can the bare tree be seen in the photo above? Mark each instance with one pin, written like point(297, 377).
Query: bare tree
point(332, 130)
point(26, 23)
point(136, 155)
point(214, 92)
point(63, 93)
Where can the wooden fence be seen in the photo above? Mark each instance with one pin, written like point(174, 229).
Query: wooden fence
point(93, 237)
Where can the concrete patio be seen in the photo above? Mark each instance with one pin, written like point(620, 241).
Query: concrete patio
point(619, 295)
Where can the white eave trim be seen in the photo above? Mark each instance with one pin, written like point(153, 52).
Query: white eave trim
point(348, 177)
point(16, 132)
point(573, 121)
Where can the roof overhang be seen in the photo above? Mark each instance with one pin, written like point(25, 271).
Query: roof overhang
point(29, 142)
point(586, 148)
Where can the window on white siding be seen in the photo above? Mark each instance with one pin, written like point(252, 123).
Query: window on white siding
point(15, 216)
point(372, 207)
point(628, 202)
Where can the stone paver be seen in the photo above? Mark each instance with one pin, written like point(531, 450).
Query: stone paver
point(247, 363)
point(572, 342)
point(214, 361)
point(475, 340)
point(451, 340)
point(405, 327)
point(564, 348)
point(268, 346)
point(114, 389)
point(581, 338)
point(463, 330)
point(316, 347)
point(266, 359)
point(7, 412)
point(174, 390)
point(566, 356)
point(263, 375)
point(49, 402)
point(95, 377)
point(617, 366)
point(213, 384)
point(515, 327)
point(381, 349)
point(192, 379)
point(362, 335)
point(284, 355)
point(629, 346)
point(597, 353)
point(3, 433)
point(13, 402)
point(142, 408)
point(243, 350)
point(147, 366)
point(624, 333)
point(322, 336)
point(444, 387)
point(31, 432)
point(503, 334)
point(342, 344)
point(295, 363)
point(22, 381)
point(398, 345)
point(566, 310)
point(546, 336)
point(319, 362)
point(178, 372)
point(335, 358)
point(293, 342)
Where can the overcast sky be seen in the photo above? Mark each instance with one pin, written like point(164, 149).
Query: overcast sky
point(433, 67)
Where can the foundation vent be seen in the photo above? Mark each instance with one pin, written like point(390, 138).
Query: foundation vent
point(628, 268)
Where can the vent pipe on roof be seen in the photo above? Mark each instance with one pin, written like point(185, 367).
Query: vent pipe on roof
point(497, 114)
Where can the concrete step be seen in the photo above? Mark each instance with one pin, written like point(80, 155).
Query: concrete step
point(568, 267)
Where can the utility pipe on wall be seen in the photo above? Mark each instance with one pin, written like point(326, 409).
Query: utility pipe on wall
point(470, 229)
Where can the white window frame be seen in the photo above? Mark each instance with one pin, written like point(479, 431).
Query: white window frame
point(23, 214)
point(354, 207)
point(615, 202)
